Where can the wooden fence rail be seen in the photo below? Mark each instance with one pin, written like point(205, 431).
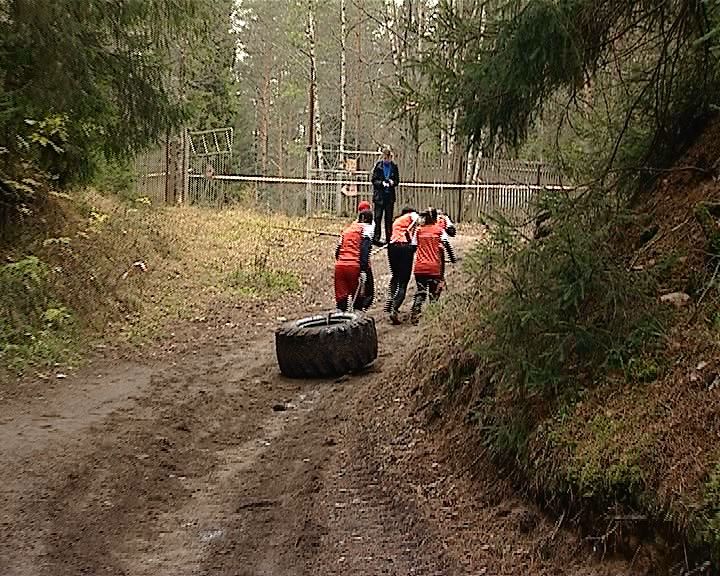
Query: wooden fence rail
point(315, 197)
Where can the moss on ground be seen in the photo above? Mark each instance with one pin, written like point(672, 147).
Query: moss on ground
point(593, 393)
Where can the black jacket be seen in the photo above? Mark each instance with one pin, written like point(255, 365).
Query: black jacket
point(382, 195)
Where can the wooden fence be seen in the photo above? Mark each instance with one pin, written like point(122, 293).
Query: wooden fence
point(429, 166)
point(193, 169)
point(314, 197)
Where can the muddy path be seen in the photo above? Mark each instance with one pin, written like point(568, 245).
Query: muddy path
point(202, 459)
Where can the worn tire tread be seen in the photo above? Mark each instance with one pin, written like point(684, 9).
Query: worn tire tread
point(326, 351)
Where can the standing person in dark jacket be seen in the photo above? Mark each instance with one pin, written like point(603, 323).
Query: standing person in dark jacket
point(385, 178)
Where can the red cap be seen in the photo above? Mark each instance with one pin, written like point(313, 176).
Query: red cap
point(364, 205)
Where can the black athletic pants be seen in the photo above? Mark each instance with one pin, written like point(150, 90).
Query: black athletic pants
point(425, 286)
point(383, 209)
point(400, 258)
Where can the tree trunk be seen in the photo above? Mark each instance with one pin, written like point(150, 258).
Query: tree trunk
point(343, 83)
point(358, 84)
point(280, 145)
point(318, 135)
point(470, 166)
point(264, 132)
point(313, 86)
point(392, 15)
point(310, 33)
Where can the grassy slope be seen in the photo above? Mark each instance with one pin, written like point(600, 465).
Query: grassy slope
point(105, 271)
point(653, 441)
point(632, 444)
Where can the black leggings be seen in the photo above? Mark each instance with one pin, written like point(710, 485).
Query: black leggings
point(426, 286)
point(400, 257)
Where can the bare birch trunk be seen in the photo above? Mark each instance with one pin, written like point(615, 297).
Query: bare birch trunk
point(358, 84)
point(264, 135)
point(280, 145)
point(478, 164)
point(470, 166)
point(392, 15)
point(343, 83)
point(318, 135)
point(313, 81)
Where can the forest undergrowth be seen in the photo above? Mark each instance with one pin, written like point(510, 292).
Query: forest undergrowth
point(101, 270)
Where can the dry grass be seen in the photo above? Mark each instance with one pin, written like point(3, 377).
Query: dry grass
point(217, 256)
point(131, 273)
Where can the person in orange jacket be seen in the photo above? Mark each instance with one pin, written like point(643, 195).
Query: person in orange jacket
point(432, 244)
point(401, 251)
point(352, 261)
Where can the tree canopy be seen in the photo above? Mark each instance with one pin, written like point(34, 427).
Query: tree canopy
point(81, 80)
point(651, 59)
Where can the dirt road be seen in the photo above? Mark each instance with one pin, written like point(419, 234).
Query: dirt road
point(199, 458)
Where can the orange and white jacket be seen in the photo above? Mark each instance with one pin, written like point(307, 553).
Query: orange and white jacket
point(432, 243)
point(353, 249)
point(404, 228)
point(447, 224)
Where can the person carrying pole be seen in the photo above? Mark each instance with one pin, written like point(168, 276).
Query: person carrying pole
point(385, 178)
point(446, 224)
point(432, 243)
point(352, 261)
point(401, 251)
point(367, 297)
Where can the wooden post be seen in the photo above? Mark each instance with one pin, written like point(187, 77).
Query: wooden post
point(167, 167)
point(338, 194)
point(459, 178)
point(185, 192)
point(308, 186)
point(460, 204)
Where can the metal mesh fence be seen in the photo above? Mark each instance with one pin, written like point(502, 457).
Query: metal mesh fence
point(431, 166)
point(151, 175)
point(209, 153)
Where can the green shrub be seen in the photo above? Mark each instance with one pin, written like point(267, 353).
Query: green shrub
point(569, 304)
point(23, 298)
point(564, 311)
point(34, 328)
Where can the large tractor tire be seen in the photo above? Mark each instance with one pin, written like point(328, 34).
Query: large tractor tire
point(326, 346)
